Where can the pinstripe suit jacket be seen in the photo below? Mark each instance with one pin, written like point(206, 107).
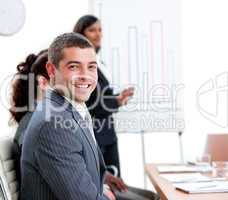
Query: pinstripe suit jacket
point(60, 160)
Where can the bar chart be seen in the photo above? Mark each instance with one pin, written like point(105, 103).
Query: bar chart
point(142, 50)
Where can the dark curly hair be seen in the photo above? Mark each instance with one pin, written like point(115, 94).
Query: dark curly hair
point(34, 65)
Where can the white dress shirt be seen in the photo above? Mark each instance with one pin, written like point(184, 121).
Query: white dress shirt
point(83, 111)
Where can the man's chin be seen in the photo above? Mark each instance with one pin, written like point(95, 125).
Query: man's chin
point(82, 99)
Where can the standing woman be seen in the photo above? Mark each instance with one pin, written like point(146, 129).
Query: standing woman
point(103, 102)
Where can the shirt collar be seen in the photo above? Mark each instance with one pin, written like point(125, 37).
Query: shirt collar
point(80, 107)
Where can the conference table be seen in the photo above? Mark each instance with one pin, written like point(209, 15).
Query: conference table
point(167, 191)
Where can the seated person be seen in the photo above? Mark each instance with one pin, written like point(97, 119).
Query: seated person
point(37, 66)
point(22, 102)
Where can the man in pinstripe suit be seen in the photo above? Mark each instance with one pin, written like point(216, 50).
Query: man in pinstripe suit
point(60, 159)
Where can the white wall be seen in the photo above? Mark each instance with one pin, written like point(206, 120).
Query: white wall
point(45, 19)
point(205, 50)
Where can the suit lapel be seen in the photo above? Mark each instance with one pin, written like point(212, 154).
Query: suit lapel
point(88, 135)
point(58, 98)
point(101, 160)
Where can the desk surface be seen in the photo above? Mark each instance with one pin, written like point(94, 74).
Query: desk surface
point(168, 192)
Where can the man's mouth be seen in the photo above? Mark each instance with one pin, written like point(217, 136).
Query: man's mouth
point(82, 86)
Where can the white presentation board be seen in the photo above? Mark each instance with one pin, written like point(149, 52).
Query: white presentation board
point(141, 47)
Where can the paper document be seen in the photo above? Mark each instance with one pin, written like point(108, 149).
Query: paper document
point(189, 177)
point(203, 187)
point(183, 168)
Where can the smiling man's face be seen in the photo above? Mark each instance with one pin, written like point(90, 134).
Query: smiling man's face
point(77, 73)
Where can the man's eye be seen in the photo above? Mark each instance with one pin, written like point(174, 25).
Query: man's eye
point(92, 66)
point(72, 66)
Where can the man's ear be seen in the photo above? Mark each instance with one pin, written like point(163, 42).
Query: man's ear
point(43, 82)
point(50, 67)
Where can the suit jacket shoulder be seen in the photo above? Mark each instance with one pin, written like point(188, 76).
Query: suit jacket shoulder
point(58, 159)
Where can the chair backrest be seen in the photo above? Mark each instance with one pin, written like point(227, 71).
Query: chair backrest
point(8, 169)
point(2, 194)
point(217, 147)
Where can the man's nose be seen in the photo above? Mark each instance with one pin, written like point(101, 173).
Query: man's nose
point(83, 74)
point(83, 71)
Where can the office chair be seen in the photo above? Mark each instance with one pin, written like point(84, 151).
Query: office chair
point(8, 176)
point(217, 147)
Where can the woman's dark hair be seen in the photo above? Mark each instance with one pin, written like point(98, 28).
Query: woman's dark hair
point(84, 22)
point(33, 65)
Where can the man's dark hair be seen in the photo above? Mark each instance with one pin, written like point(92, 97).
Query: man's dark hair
point(66, 40)
point(84, 22)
